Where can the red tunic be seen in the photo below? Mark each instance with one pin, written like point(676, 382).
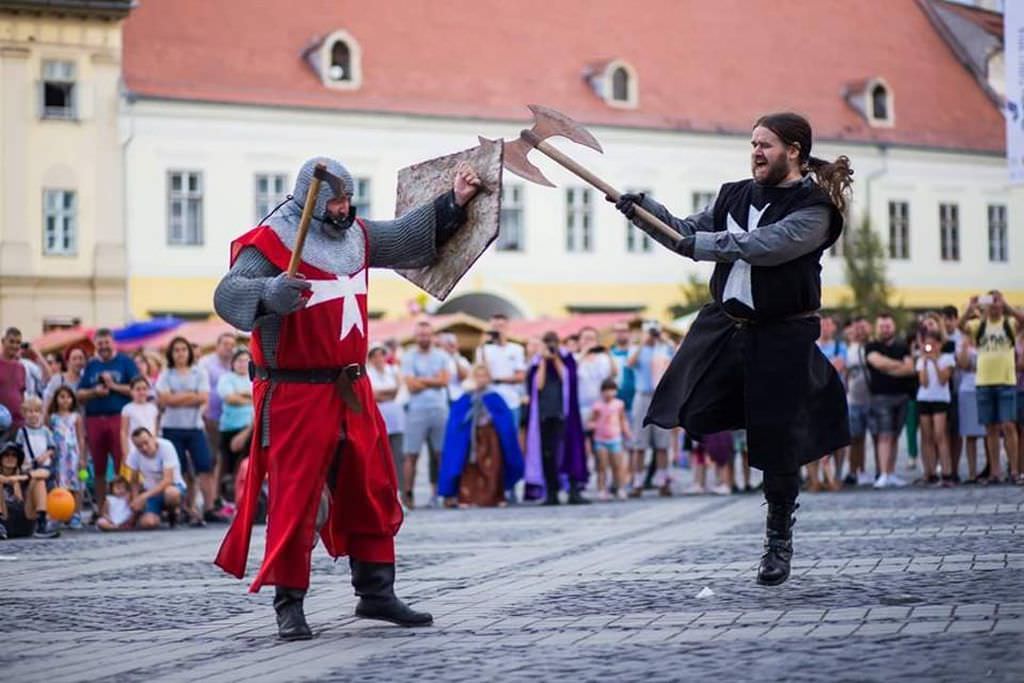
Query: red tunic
point(309, 426)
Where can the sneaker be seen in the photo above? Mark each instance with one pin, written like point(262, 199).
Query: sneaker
point(850, 479)
point(603, 496)
point(896, 481)
point(911, 464)
point(722, 490)
point(694, 490)
point(882, 481)
point(75, 522)
point(865, 479)
point(620, 494)
point(48, 532)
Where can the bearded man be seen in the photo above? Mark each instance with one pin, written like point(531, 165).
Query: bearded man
point(750, 360)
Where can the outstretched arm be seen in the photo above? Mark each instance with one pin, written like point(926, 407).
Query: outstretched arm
point(799, 233)
point(412, 240)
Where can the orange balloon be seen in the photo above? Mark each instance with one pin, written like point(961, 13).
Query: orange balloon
point(60, 504)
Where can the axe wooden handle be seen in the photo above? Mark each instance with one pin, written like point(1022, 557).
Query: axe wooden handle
point(307, 215)
point(644, 215)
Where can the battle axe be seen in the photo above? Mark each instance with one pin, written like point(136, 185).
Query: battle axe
point(547, 123)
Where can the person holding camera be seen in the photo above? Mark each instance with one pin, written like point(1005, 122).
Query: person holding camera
point(934, 366)
point(554, 433)
point(992, 326)
point(649, 360)
point(506, 363)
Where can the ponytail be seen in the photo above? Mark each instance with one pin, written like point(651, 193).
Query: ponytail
point(835, 178)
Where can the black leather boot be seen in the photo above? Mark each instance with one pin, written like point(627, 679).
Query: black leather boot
point(778, 544)
point(291, 621)
point(375, 585)
point(575, 495)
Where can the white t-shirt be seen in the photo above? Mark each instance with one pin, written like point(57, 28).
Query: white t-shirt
point(502, 362)
point(391, 411)
point(152, 468)
point(591, 371)
point(935, 391)
point(141, 415)
point(118, 510)
point(455, 388)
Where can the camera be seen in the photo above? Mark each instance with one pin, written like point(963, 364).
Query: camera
point(986, 300)
point(493, 335)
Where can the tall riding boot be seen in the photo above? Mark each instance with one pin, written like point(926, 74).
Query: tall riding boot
point(291, 621)
point(550, 481)
point(375, 585)
point(778, 544)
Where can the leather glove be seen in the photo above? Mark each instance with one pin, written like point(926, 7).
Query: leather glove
point(283, 294)
point(627, 203)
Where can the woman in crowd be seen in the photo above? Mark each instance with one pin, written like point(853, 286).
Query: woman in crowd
point(386, 380)
point(74, 362)
point(236, 416)
point(182, 390)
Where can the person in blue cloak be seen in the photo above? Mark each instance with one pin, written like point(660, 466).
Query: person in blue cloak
point(481, 457)
point(555, 450)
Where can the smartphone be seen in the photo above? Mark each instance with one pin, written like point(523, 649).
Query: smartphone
point(986, 300)
point(928, 348)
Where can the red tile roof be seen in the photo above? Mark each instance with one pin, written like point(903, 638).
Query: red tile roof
point(702, 65)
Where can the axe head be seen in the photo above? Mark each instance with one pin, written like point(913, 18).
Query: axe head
point(546, 123)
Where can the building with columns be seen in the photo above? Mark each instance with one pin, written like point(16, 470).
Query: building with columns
point(62, 246)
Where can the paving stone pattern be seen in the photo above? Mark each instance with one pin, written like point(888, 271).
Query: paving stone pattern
point(913, 585)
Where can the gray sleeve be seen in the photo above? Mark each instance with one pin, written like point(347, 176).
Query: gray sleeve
point(238, 297)
point(406, 242)
point(702, 221)
point(799, 233)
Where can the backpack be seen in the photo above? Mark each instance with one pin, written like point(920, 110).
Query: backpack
point(1006, 328)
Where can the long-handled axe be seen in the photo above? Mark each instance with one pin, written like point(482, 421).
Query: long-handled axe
point(319, 173)
point(547, 123)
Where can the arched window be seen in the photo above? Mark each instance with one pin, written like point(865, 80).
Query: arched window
point(341, 62)
point(880, 102)
point(620, 84)
point(338, 61)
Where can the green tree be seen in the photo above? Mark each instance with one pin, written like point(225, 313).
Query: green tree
point(864, 258)
point(694, 293)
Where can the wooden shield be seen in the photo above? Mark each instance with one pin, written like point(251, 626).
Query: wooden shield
point(423, 182)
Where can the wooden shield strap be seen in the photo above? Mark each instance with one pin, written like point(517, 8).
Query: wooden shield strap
point(307, 214)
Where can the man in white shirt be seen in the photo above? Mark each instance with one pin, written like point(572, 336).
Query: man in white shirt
point(506, 362)
point(157, 484)
point(458, 369)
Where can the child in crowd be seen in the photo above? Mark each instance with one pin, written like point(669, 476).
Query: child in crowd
point(141, 412)
point(69, 436)
point(40, 458)
point(717, 449)
point(609, 424)
point(23, 496)
point(117, 510)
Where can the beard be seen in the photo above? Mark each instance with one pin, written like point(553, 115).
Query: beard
point(775, 172)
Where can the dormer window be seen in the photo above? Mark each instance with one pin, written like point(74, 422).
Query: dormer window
point(337, 60)
point(615, 82)
point(341, 62)
point(879, 102)
point(872, 99)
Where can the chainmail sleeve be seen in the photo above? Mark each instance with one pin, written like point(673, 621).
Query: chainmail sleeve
point(412, 240)
point(238, 297)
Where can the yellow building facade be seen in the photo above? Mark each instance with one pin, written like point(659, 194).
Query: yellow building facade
point(62, 255)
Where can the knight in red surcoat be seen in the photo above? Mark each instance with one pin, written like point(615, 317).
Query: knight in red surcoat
point(319, 440)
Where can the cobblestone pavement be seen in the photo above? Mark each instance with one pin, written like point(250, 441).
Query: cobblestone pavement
point(912, 585)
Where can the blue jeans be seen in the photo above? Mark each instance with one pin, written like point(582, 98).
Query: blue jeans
point(997, 404)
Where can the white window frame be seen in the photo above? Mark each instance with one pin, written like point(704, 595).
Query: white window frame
point(998, 234)
point(889, 120)
point(60, 222)
point(638, 241)
point(264, 200)
point(362, 190)
point(355, 55)
point(579, 220)
point(60, 72)
point(632, 85)
point(949, 232)
point(899, 230)
point(512, 237)
point(179, 232)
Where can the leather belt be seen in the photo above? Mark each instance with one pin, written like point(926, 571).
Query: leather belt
point(343, 378)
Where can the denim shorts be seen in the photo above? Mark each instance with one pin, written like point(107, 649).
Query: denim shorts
point(997, 404)
point(614, 447)
point(193, 449)
point(887, 413)
point(155, 504)
point(858, 421)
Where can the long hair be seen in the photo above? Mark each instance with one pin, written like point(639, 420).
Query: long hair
point(834, 177)
point(170, 352)
point(53, 408)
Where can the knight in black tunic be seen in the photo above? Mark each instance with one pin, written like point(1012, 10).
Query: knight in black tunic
point(750, 360)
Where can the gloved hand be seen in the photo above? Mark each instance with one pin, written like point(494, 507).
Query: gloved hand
point(627, 203)
point(686, 246)
point(283, 294)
